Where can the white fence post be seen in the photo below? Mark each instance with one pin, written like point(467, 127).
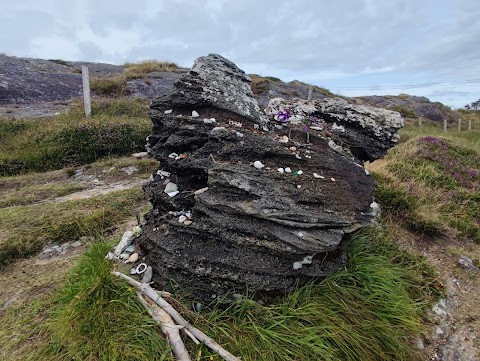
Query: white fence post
point(459, 124)
point(445, 125)
point(310, 90)
point(86, 92)
point(469, 124)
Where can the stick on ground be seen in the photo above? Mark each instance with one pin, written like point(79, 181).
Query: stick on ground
point(154, 296)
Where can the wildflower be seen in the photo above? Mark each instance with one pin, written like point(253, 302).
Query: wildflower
point(283, 116)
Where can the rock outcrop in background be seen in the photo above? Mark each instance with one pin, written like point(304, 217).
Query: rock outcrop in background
point(241, 205)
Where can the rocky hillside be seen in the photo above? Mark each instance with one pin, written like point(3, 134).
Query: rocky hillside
point(50, 83)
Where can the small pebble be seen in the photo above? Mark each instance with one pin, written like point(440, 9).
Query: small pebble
point(366, 171)
point(318, 176)
point(133, 258)
point(257, 164)
point(170, 187)
point(283, 139)
point(187, 222)
point(173, 155)
point(300, 172)
point(297, 156)
point(293, 149)
point(169, 111)
point(332, 179)
point(288, 170)
point(195, 114)
point(281, 170)
point(182, 219)
point(133, 271)
point(172, 194)
point(299, 186)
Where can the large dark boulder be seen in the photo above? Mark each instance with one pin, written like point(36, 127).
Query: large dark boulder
point(235, 220)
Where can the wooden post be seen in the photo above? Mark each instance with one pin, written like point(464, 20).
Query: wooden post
point(310, 90)
point(469, 124)
point(445, 125)
point(420, 124)
point(86, 92)
point(459, 124)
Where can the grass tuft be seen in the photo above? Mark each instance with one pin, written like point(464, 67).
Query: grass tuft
point(142, 68)
point(97, 317)
point(118, 127)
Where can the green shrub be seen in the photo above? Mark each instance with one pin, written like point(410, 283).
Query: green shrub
point(404, 112)
point(144, 67)
point(109, 87)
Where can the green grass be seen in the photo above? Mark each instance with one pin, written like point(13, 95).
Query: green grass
point(32, 194)
point(25, 230)
point(369, 311)
point(118, 127)
point(109, 87)
point(432, 183)
point(97, 317)
point(142, 68)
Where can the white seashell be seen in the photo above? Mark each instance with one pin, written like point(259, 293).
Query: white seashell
point(169, 111)
point(170, 187)
point(200, 191)
point(182, 219)
point(257, 164)
point(281, 170)
point(288, 170)
point(283, 139)
point(133, 258)
point(195, 114)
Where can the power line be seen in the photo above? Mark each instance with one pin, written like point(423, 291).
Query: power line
point(407, 86)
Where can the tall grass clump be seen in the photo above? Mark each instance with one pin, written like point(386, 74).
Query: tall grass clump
point(369, 311)
point(97, 317)
point(142, 68)
point(118, 127)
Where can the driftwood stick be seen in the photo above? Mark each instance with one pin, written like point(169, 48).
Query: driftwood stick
point(169, 329)
point(189, 334)
point(153, 295)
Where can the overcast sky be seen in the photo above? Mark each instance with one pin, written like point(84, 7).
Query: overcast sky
point(352, 47)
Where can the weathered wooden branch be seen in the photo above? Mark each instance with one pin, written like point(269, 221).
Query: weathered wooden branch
point(168, 327)
point(154, 296)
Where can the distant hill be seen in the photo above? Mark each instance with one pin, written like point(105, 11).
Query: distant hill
point(36, 87)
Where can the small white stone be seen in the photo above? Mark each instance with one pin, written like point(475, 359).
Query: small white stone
point(209, 121)
point(257, 164)
point(170, 187)
point(195, 114)
point(281, 170)
point(172, 194)
point(283, 139)
point(318, 176)
point(173, 155)
point(332, 179)
point(293, 149)
point(366, 171)
point(300, 172)
point(182, 219)
point(169, 111)
point(298, 156)
point(299, 186)
point(187, 222)
point(163, 173)
point(300, 234)
point(288, 170)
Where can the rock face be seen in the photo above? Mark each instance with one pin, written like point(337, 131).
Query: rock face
point(368, 131)
point(213, 82)
point(247, 209)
